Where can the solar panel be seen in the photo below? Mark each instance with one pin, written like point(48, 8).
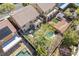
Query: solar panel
point(4, 32)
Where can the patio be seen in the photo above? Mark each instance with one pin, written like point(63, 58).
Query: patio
point(61, 25)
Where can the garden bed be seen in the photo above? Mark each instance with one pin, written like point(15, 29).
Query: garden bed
point(42, 39)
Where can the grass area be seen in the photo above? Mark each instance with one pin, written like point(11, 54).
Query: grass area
point(40, 33)
point(44, 28)
point(41, 40)
point(55, 20)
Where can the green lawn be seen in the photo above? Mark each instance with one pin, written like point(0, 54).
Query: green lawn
point(55, 20)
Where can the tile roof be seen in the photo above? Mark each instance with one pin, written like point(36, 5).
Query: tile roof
point(46, 6)
point(24, 15)
point(5, 23)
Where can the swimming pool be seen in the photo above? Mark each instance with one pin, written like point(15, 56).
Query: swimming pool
point(49, 35)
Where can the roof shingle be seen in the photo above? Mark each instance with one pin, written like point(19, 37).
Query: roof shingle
point(46, 6)
point(24, 15)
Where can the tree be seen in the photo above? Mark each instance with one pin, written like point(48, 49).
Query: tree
point(25, 4)
point(40, 46)
point(70, 38)
point(77, 10)
point(7, 7)
point(72, 5)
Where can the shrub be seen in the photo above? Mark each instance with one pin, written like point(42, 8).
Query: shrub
point(73, 6)
point(25, 4)
point(77, 11)
point(7, 7)
point(71, 38)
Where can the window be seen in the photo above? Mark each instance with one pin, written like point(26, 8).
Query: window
point(4, 32)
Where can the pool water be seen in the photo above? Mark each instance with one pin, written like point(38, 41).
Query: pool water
point(49, 34)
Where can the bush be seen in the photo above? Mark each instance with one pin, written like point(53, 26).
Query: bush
point(1, 9)
point(25, 4)
point(41, 51)
point(77, 11)
point(71, 38)
point(73, 6)
point(6, 7)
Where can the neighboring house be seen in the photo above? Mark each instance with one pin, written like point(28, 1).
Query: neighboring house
point(10, 41)
point(21, 18)
point(62, 5)
point(46, 9)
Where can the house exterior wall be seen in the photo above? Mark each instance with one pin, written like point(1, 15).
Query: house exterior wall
point(25, 27)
